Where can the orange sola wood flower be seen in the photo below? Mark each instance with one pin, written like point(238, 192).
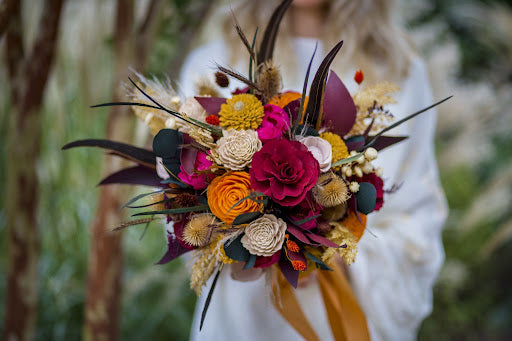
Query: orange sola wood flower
point(226, 191)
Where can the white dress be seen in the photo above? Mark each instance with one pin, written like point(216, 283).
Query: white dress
point(395, 267)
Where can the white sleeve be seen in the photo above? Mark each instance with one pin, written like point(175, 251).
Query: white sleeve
point(396, 268)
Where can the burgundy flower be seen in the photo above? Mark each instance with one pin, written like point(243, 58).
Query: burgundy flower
point(305, 209)
point(377, 182)
point(285, 171)
point(275, 122)
point(265, 262)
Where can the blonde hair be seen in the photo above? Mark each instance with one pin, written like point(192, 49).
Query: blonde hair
point(373, 41)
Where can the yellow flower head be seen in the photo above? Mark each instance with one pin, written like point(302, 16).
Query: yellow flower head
point(241, 112)
point(339, 148)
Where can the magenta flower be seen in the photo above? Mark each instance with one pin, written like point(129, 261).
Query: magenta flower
point(197, 180)
point(275, 121)
point(285, 171)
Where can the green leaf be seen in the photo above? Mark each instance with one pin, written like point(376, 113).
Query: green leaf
point(366, 197)
point(175, 210)
point(209, 297)
point(245, 218)
point(250, 263)
point(347, 160)
point(235, 250)
point(318, 262)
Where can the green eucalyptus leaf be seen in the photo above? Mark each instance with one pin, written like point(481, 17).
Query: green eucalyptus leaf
point(366, 197)
point(245, 218)
point(235, 250)
point(250, 263)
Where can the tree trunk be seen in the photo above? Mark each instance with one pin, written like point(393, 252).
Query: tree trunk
point(102, 308)
point(28, 77)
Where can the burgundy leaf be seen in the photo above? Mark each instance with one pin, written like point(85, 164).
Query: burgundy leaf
point(291, 275)
point(174, 250)
point(211, 104)
point(188, 155)
point(322, 240)
point(139, 155)
point(292, 109)
point(383, 142)
point(355, 143)
point(339, 108)
point(138, 175)
point(297, 233)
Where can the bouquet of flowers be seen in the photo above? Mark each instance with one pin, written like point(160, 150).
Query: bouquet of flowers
point(270, 179)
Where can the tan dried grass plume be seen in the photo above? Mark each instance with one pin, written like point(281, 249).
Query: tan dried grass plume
point(269, 80)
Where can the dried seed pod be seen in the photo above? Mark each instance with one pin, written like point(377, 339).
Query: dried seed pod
point(221, 79)
point(330, 190)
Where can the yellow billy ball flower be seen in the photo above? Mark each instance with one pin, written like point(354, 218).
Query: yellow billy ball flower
point(241, 112)
point(339, 148)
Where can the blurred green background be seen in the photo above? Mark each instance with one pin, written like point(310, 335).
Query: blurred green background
point(468, 47)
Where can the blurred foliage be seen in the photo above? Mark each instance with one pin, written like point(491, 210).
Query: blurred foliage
point(480, 42)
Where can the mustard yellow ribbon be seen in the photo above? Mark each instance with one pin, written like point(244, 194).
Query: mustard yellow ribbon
point(346, 317)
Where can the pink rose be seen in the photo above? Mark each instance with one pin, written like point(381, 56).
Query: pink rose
point(285, 171)
point(197, 180)
point(275, 121)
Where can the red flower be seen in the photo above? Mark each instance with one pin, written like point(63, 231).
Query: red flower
point(213, 120)
point(265, 262)
point(359, 77)
point(305, 209)
point(285, 171)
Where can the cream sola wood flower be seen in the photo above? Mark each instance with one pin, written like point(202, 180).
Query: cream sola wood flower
point(264, 236)
point(236, 148)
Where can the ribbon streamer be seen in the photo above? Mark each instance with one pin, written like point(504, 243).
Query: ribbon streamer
point(346, 317)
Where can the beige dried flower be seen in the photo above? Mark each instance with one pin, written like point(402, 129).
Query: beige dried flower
point(237, 147)
point(191, 108)
point(369, 102)
point(162, 92)
point(341, 236)
point(205, 87)
point(199, 229)
point(330, 190)
point(264, 236)
point(203, 267)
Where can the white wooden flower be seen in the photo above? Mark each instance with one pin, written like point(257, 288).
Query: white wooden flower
point(321, 150)
point(237, 147)
point(264, 236)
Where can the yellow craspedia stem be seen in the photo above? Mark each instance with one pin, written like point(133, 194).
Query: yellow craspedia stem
point(339, 148)
point(241, 112)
